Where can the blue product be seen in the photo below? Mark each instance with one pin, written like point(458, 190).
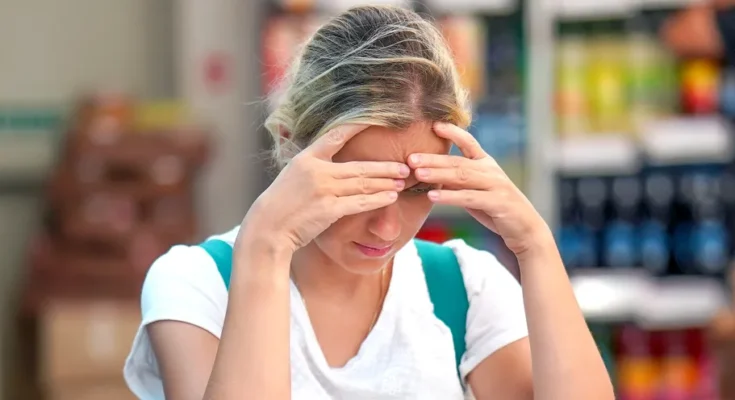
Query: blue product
point(588, 247)
point(569, 245)
point(709, 244)
point(654, 250)
point(619, 245)
point(727, 92)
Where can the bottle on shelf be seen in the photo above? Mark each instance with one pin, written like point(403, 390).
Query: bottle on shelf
point(637, 367)
point(606, 79)
point(572, 103)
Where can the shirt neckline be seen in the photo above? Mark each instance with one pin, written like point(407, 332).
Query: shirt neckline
point(367, 346)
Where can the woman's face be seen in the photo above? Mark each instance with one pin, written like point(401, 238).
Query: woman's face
point(364, 243)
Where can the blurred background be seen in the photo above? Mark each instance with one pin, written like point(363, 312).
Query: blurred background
point(130, 126)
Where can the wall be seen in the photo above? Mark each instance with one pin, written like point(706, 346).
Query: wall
point(51, 50)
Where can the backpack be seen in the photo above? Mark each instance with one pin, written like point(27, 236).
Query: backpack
point(443, 279)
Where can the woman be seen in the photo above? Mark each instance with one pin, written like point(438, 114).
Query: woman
point(328, 297)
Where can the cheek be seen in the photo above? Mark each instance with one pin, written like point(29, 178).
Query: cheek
point(345, 227)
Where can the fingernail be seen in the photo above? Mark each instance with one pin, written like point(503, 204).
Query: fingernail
point(404, 170)
point(415, 158)
point(433, 195)
point(400, 184)
point(393, 195)
point(422, 173)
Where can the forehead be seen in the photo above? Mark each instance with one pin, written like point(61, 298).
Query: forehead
point(377, 143)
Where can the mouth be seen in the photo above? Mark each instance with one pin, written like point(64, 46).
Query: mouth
point(374, 250)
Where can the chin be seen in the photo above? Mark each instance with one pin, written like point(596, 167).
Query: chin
point(351, 259)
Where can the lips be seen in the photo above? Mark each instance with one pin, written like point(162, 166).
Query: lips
point(371, 250)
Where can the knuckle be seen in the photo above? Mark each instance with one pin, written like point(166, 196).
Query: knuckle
point(454, 162)
point(363, 201)
point(336, 136)
point(365, 185)
point(462, 175)
point(362, 170)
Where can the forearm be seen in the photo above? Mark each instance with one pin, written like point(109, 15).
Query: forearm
point(566, 362)
point(253, 359)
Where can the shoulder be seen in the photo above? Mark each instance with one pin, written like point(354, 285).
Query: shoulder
point(496, 316)
point(185, 281)
point(182, 285)
point(481, 270)
point(180, 282)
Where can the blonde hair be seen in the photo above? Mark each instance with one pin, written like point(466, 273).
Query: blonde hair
point(375, 65)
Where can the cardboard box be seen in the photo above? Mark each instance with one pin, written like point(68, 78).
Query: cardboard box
point(84, 340)
point(92, 390)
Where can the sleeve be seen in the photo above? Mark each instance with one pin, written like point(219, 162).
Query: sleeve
point(181, 285)
point(184, 285)
point(496, 316)
point(726, 27)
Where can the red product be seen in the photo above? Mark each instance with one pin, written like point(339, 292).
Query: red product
point(637, 369)
point(700, 86)
point(434, 232)
point(678, 367)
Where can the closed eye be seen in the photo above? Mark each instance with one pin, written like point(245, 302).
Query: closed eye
point(420, 188)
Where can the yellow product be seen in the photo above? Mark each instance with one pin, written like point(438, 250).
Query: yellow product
point(607, 86)
point(161, 115)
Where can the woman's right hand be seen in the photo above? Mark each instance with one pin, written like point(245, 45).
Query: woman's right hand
point(311, 192)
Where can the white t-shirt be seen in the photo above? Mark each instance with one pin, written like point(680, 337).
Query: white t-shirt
point(409, 354)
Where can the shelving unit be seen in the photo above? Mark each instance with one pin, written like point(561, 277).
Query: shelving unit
point(638, 305)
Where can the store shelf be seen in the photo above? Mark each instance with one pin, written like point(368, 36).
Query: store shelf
point(688, 141)
point(653, 303)
point(597, 155)
point(649, 4)
point(589, 9)
point(336, 6)
point(472, 6)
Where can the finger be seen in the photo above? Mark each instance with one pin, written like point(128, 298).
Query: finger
point(360, 203)
point(419, 160)
point(331, 142)
point(370, 169)
point(467, 144)
point(462, 178)
point(471, 199)
point(353, 186)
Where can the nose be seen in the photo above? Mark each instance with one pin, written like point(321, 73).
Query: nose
point(385, 223)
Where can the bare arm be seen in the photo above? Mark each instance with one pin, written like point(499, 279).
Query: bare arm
point(506, 374)
point(184, 373)
point(565, 359)
point(254, 352)
point(559, 359)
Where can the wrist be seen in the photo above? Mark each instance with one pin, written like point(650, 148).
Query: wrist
point(542, 247)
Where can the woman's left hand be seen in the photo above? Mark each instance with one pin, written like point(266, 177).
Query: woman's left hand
point(477, 183)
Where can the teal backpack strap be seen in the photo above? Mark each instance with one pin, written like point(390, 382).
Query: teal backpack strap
point(221, 253)
point(446, 290)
